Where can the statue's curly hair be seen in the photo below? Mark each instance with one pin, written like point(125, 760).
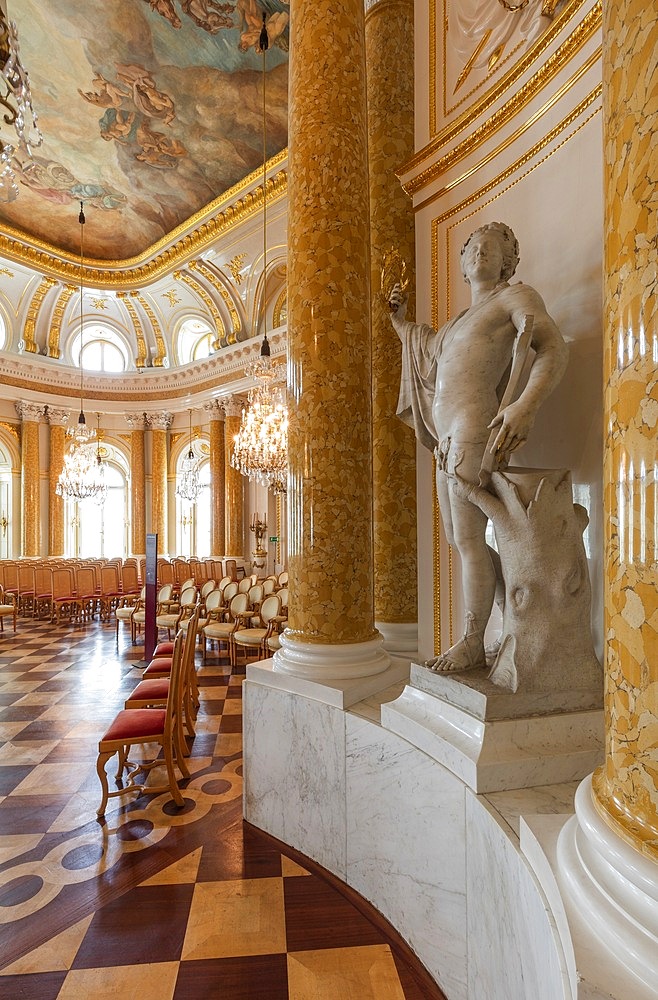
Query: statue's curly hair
point(509, 245)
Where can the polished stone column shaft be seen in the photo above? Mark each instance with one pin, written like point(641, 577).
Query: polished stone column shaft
point(30, 415)
point(217, 480)
point(330, 549)
point(159, 508)
point(389, 58)
point(137, 484)
point(626, 787)
point(58, 419)
point(234, 505)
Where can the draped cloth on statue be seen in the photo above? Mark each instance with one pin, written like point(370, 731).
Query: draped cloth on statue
point(421, 350)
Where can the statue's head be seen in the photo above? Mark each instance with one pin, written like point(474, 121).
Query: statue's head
point(509, 246)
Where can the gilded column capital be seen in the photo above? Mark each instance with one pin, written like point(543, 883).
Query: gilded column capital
point(159, 421)
point(233, 406)
point(57, 417)
point(136, 421)
point(29, 411)
point(215, 409)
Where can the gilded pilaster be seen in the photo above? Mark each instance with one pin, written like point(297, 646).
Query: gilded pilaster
point(217, 478)
point(137, 483)
point(390, 78)
point(159, 424)
point(626, 787)
point(234, 517)
point(58, 420)
point(30, 414)
point(329, 366)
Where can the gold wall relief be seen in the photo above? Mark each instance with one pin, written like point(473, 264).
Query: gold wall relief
point(56, 324)
point(211, 306)
point(29, 343)
point(140, 360)
point(214, 279)
point(160, 347)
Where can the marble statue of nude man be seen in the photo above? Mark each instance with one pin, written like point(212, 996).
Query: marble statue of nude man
point(452, 382)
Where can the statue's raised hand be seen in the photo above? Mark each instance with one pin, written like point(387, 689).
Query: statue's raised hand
point(515, 422)
point(397, 302)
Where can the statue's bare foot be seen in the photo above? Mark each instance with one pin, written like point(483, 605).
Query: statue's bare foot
point(492, 650)
point(467, 654)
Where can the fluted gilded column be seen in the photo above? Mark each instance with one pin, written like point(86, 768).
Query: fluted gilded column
point(30, 414)
point(58, 420)
point(136, 424)
point(215, 411)
point(159, 424)
point(330, 556)
point(390, 80)
point(234, 488)
point(626, 787)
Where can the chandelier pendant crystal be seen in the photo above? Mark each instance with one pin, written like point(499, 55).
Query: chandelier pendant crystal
point(16, 99)
point(260, 448)
point(188, 485)
point(83, 470)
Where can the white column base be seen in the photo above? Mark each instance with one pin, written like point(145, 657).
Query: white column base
point(322, 662)
point(400, 638)
point(604, 897)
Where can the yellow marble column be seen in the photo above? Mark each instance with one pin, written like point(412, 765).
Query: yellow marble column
point(136, 422)
point(626, 787)
point(390, 80)
point(30, 414)
point(159, 424)
point(330, 547)
point(58, 420)
point(215, 410)
point(234, 486)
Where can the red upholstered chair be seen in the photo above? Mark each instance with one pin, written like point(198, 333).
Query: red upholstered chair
point(141, 727)
point(153, 690)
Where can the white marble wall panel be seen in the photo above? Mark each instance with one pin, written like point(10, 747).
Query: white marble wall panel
point(406, 846)
point(513, 945)
point(295, 772)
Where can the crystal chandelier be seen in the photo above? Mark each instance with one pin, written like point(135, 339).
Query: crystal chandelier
point(188, 486)
point(83, 470)
point(16, 99)
point(260, 448)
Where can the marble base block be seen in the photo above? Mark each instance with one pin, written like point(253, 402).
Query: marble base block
point(493, 754)
point(480, 697)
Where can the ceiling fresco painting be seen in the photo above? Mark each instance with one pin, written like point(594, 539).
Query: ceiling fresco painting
point(149, 109)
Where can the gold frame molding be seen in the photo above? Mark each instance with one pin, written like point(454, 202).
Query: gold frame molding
point(569, 48)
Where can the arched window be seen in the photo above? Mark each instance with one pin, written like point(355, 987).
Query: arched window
point(103, 350)
point(194, 340)
point(3, 333)
point(193, 527)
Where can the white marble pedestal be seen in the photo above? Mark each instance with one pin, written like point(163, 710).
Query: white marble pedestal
point(486, 738)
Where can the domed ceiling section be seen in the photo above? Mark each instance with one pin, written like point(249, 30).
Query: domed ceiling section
point(149, 109)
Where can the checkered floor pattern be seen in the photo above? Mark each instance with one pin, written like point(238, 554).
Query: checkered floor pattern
point(156, 902)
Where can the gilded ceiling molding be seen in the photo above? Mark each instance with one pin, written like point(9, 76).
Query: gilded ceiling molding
point(208, 301)
point(546, 72)
point(150, 385)
point(63, 300)
point(29, 344)
point(140, 360)
point(528, 122)
point(160, 346)
point(214, 277)
point(188, 240)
